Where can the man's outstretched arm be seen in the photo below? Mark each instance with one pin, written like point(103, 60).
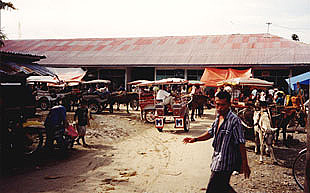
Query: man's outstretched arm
point(205, 136)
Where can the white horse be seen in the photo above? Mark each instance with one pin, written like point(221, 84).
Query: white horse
point(264, 133)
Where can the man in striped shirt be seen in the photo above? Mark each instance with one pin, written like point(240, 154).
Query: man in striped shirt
point(228, 143)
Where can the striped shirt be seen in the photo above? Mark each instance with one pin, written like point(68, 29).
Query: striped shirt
point(227, 156)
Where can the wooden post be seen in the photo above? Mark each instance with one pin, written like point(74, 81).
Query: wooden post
point(307, 173)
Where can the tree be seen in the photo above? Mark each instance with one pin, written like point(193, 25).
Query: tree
point(295, 37)
point(4, 5)
point(2, 38)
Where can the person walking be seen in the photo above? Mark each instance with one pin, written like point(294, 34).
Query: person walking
point(83, 119)
point(229, 146)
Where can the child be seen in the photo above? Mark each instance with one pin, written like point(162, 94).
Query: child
point(83, 119)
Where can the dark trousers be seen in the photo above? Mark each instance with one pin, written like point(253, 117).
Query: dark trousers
point(52, 133)
point(219, 182)
point(50, 136)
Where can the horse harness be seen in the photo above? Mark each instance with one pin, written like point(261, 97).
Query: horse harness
point(267, 133)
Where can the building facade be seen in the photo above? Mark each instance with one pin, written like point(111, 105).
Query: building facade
point(122, 60)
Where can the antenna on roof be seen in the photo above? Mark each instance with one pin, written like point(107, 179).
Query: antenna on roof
point(19, 30)
point(268, 23)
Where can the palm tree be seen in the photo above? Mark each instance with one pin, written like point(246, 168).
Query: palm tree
point(4, 5)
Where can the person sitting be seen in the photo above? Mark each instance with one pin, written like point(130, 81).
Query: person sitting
point(165, 97)
point(295, 101)
point(198, 90)
point(121, 88)
point(192, 90)
point(102, 92)
point(91, 90)
point(183, 90)
point(280, 98)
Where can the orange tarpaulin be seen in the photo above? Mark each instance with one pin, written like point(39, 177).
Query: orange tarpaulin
point(213, 75)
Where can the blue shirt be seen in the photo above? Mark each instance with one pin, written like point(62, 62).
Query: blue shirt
point(226, 143)
point(56, 116)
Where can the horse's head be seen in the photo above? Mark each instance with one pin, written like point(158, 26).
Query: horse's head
point(246, 115)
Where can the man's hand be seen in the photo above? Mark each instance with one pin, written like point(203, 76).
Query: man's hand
point(189, 140)
point(245, 166)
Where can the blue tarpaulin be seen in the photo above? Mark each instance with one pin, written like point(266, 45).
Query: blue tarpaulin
point(302, 79)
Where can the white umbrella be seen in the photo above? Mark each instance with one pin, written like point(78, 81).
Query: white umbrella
point(245, 82)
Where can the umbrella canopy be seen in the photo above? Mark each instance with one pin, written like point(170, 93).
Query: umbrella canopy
point(171, 81)
point(137, 82)
point(45, 79)
point(97, 81)
point(255, 82)
point(196, 82)
point(146, 83)
point(164, 81)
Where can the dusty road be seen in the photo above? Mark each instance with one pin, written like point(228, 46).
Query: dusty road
point(125, 155)
point(128, 155)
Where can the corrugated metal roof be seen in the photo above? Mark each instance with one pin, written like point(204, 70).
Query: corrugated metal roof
point(13, 63)
point(34, 69)
point(236, 49)
point(26, 57)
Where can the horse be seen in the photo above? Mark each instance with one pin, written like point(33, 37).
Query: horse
point(198, 102)
point(122, 97)
point(264, 133)
point(258, 127)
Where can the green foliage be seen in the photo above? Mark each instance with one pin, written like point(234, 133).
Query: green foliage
point(2, 38)
point(6, 5)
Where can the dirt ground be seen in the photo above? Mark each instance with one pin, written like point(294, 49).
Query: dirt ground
point(128, 155)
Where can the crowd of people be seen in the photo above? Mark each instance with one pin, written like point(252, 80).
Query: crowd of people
point(267, 96)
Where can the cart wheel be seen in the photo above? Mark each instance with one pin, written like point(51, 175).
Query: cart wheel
point(104, 106)
point(94, 108)
point(150, 116)
point(186, 122)
point(299, 169)
point(33, 140)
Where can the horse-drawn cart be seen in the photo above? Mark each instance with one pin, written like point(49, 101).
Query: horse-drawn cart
point(179, 111)
point(97, 101)
point(154, 110)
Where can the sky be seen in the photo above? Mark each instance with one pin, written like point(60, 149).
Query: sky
point(59, 19)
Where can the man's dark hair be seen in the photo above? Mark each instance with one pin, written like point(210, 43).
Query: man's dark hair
point(223, 95)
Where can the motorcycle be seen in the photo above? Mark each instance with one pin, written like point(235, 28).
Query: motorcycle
point(64, 137)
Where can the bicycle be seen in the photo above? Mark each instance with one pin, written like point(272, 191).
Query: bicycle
point(299, 167)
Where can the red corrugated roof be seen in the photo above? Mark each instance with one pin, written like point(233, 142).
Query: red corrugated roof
point(217, 50)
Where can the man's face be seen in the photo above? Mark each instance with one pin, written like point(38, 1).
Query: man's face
point(221, 106)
